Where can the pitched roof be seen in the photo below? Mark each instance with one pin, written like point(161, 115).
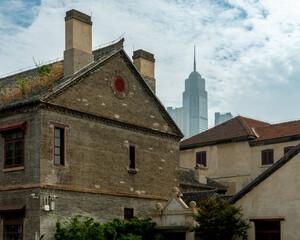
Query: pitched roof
point(244, 129)
point(37, 89)
point(272, 169)
point(235, 129)
point(197, 197)
point(279, 130)
point(187, 179)
point(41, 91)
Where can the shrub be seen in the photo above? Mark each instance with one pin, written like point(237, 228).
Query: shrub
point(219, 220)
point(87, 229)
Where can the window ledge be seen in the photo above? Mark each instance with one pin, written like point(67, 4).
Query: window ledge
point(201, 166)
point(266, 166)
point(132, 170)
point(13, 169)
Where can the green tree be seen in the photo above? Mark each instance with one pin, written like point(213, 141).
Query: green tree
point(87, 229)
point(219, 220)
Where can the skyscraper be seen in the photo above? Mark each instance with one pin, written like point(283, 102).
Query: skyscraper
point(222, 117)
point(194, 107)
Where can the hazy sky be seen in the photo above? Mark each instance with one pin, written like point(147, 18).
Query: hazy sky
point(247, 50)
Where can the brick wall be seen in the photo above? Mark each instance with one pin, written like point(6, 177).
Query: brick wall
point(97, 158)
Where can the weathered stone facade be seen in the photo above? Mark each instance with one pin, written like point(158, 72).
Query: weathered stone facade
point(100, 123)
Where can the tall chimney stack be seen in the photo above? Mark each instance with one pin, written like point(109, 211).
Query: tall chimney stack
point(144, 62)
point(78, 53)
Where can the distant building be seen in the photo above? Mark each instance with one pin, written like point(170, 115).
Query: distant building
point(222, 117)
point(192, 116)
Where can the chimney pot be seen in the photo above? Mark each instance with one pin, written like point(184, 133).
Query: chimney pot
point(145, 63)
point(78, 32)
point(200, 174)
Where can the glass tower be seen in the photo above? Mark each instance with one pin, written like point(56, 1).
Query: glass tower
point(194, 109)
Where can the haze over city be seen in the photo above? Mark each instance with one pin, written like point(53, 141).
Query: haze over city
point(248, 51)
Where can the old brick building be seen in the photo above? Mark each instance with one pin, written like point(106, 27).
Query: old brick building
point(96, 141)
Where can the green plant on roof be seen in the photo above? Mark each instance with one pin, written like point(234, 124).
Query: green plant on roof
point(51, 85)
point(1, 86)
point(44, 70)
point(22, 84)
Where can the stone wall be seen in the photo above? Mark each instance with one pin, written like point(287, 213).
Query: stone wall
point(97, 158)
point(31, 172)
point(102, 208)
point(31, 223)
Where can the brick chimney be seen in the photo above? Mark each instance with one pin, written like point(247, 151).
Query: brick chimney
point(144, 62)
point(78, 51)
point(200, 174)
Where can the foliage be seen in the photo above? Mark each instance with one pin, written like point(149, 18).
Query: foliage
point(32, 84)
point(88, 229)
point(219, 220)
point(44, 70)
point(22, 83)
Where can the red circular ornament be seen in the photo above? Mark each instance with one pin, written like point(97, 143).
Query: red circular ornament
point(119, 85)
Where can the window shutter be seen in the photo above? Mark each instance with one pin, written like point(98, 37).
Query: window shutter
point(204, 159)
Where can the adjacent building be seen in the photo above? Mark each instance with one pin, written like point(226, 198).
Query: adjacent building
point(83, 136)
point(192, 117)
point(271, 201)
point(222, 117)
point(238, 150)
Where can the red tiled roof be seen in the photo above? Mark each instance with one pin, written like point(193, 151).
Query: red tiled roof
point(235, 128)
point(280, 130)
point(242, 127)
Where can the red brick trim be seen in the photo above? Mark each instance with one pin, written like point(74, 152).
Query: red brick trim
point(81, 189)
point(101, 191)
point(19, 187)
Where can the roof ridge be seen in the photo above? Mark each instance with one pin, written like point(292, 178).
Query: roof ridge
point(284, 123)
point(245, 125)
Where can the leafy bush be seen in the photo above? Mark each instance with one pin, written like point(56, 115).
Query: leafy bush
point(219, 220)
point(87, 229)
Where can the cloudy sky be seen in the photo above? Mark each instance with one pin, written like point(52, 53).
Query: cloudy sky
point(247, 50)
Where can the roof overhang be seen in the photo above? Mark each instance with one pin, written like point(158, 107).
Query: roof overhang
point(12, 208)
point(7, 127)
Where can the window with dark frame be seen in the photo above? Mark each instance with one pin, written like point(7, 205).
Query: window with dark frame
point(13, 226)
point(132, 156)
point(267, 229)
point(267, 157)
point(287, 149)
point(128, 214)
point(201, 158)
point(13, 148)
point(59, 146)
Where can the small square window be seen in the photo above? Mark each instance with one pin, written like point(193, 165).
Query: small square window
point(201, 158)
point(287, 149)
point(128, 214)
point(267, 157)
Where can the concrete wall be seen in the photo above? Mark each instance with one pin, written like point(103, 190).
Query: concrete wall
point(276, 197)
point(233, 164)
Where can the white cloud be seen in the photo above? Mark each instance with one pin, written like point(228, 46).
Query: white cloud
point(248, 51)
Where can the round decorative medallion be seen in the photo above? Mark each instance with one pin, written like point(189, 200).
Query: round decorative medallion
point(119, 85)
